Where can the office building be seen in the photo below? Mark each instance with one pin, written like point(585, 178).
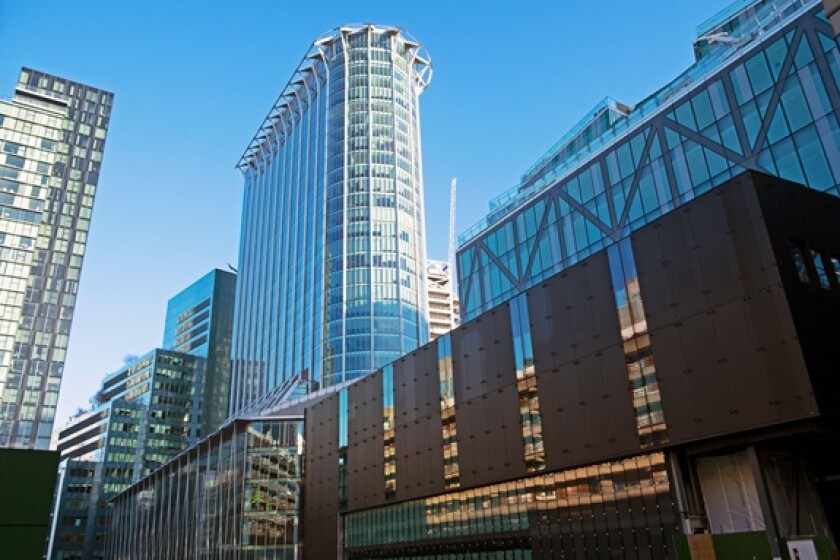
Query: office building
point(330, 275)
point(672, 393)
point(645, 369)
point(146, 414)
point(52, 136)
point(150, 410)
point(236, 513)
point(444, 311)
point(199, 322)
point(763, 95)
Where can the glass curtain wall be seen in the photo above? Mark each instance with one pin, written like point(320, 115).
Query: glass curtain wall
point(235, 496)
point(53, 138)
point(770, 103)
point(621, 507)
point(331, 269)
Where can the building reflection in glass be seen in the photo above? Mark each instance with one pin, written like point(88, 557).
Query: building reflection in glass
point(390, 461)
point(526, 384)
point(451, 472)
point(236, 495)
point(619, 508)
point(638, 355)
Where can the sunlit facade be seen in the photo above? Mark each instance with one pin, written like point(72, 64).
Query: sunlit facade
point(153, 408)
point(145, 414)
point(611, 411)
point(762, 95)
point(609, 395)
point(444, 311)
point(535, 517)
point(669, 393)
point(332, 254)
point(236, 495)
point(52, 137)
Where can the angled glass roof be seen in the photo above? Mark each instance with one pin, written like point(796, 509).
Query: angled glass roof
point(767, 17)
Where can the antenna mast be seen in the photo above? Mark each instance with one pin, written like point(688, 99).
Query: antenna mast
point(451, 255)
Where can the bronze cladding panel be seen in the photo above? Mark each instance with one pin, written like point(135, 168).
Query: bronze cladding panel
point(365, 443)
point(320, 498)
point(418, 438)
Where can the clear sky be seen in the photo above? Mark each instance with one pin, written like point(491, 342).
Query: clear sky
point(194, 80)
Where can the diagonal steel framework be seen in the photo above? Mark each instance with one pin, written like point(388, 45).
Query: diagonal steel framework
point(806, 28)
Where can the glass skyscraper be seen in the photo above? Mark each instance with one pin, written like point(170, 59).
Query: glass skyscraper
point(331, 280)
point(52, 135)
point(763, 94)
point(199, 322)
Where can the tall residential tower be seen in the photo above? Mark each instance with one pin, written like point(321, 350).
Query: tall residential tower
point(331, 279)
point(52, 135)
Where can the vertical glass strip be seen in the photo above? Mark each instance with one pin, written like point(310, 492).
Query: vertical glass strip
point(342, 449)
point(526, 384)
point(638, 355)
point(451, 471)
point(388, 432)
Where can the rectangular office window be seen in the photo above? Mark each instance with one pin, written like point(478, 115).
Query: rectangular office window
point(15, 161)
point(835, 264)
point(624, 505)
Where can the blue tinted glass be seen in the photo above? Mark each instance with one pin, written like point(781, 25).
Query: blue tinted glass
point(342, 418)
point(759, 73)
point(799, 142)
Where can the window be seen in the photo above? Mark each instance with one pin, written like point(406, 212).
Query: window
point(821, 268)
point(15, 161)
point(799, 263)
point(815, 265)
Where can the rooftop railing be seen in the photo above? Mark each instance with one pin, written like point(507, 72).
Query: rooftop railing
point(768, 19)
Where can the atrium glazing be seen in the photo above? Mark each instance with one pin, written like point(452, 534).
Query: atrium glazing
point(763, 95)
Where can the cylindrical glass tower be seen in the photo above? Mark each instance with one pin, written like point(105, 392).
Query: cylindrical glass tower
point(331, 278)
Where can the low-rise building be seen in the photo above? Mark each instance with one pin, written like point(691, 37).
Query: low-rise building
point(673, 391)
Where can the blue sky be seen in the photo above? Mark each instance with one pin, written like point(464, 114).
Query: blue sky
point(194, 79)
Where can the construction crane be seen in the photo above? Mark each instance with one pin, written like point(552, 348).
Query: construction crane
point(451, 255)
